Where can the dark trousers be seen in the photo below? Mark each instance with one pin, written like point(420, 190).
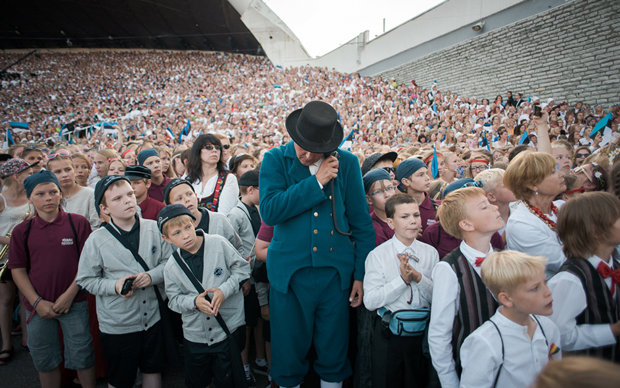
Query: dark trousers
point(398, 361)
point(204, 363)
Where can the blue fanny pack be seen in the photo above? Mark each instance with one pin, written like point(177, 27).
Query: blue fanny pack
point(405, 322)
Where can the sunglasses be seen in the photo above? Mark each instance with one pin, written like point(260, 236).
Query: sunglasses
point(226, 146)
point(57, 154)
point(211, 147)
point(578, 155)
point(389, 169)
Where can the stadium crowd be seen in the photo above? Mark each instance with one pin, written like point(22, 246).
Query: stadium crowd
point(194, 128)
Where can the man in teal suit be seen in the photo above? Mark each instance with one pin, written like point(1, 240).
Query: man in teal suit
point(323, 233)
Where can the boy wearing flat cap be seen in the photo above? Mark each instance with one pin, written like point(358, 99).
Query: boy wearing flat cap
point(126, 285)
point(415, 182)
point(45, 252)
point(150, 159)
point(202, 282)
point(314, 197)
point(140, 179)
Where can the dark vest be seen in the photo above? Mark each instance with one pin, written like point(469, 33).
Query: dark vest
point(601, 307)
point(476, 304)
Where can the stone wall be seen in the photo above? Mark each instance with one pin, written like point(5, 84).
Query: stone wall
point(570, 53)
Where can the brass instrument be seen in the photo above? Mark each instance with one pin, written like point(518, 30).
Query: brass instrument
point(4, 257)
point(4, 253)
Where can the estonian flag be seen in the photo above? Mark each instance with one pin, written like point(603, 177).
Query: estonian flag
point(435, 164)
point(525, 139)
point(602, 123)
point(15, 124)
point(170, 133)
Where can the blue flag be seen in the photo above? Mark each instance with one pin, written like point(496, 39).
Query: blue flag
point(602, 123)
point(9, 137)
point(524, 138)
point(435, 164)
point(345, 139)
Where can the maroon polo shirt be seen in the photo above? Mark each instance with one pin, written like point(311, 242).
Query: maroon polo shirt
point(157, 191)
point(428, 213)
point(53, 254)
point(150, 208)
point(383, 232)
point(445, 243)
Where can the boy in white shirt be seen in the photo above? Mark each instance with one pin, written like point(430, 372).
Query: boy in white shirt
point(398, 277)
point(461, 302)
point(511, 348)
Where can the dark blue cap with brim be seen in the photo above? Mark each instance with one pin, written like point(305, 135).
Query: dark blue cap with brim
point(171, 185)
point(103, 185)
point(171, 211)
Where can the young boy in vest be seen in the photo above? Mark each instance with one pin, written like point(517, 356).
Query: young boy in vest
point(245, 219)
point(219, 268)
point(415, 182)
point(128, 310)
point(466, 214)
point(512, 347)
point(379, 188)
point(585, 290)
point(180, 191)
point(44, 253)
point(140, 179)
point(398, 277)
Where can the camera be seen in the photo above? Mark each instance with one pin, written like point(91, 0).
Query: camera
point(127, 286)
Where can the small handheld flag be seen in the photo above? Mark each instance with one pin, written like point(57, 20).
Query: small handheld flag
point(602, 123)
point(525, 139)
point(435, 164)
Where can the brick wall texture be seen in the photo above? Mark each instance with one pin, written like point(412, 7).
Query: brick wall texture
point(570, 53)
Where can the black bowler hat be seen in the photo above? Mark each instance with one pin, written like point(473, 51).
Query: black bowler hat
point(315, 128)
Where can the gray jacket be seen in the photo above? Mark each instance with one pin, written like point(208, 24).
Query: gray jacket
point(219, 224)
point(223, 268)
point(239, 218)
point(104, 260)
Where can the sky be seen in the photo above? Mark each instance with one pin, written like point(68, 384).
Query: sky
point(323, 25)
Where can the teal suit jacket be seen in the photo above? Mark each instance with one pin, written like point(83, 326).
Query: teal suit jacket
point(304, 235)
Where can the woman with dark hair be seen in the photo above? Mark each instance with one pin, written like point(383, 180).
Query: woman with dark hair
point(217, 189)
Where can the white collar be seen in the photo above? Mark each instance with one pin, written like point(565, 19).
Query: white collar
point(472, 254)
point(595, 260)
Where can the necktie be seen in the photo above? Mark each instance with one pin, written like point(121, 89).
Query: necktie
point(479, 261)
point(605, 271)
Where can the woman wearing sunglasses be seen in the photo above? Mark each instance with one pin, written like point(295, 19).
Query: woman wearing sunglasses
point(216, 188)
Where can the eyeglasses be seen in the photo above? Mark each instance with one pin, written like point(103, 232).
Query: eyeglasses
point(388, 189)
point(474, 184)
point(211, 147)
point(578, 155)
point(479, 168)
point(57, 154)
point(389, 169)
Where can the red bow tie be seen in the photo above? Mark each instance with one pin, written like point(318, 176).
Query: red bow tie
point(605, 271)
point(479, 261)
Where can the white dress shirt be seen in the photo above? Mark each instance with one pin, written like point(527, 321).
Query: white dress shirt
point(481, 353)
point(445, 304)
point(569, 300)
point(383, 285)
point(526, 232)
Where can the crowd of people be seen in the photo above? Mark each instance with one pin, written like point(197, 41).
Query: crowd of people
point(112, 159)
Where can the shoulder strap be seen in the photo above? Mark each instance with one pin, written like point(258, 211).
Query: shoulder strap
point(126, 244)
point(502, 364)
point(26, 249)
point(198, 287)
point(138, 258)
point(219, 185)
point(541, 329)
point(75, 236)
